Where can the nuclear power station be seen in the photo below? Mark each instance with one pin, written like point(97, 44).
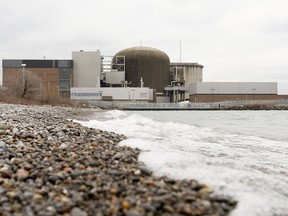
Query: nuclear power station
point(150, 65)
point(142, 74)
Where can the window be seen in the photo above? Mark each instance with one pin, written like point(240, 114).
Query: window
point(83, 94)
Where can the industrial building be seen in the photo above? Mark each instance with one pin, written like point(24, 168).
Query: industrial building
point(87, 68)
point(150, 65)
point(133, 68)
point(186, 73)
point(110, 94)
point(142, 74)
point(182, 75)
point(55, 75)
point(203, 92)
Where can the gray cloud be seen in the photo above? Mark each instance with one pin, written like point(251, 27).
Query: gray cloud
point(235, 40)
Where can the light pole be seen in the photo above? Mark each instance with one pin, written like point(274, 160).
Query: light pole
point(23, 78)
point(254, 89)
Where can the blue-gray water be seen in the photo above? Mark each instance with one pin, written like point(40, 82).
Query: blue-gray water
point(243, 154)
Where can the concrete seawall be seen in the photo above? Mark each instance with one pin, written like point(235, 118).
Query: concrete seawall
point(227, 105)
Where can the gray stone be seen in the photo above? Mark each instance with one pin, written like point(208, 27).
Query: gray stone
point(134, 213)
point(78, 212)
point(5, 126)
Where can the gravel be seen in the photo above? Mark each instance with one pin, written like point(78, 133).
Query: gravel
point(50, 165)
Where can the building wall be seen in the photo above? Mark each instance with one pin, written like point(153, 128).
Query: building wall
point(87, 68)
point(150, 64)
point(49, 82)
point(187, 73)
point(115, 77)
point(162, 99)
point(227, 91)
point(48, 76)
point(192, 74)
point(112, 93)
point(55, 75)
point(233, 97)
point(65, 81)
point(233, 88)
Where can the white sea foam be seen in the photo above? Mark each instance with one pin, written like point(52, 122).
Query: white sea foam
point(229, 151)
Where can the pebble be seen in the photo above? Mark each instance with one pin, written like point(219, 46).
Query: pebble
point(50, 165)
point(63, 146)
point(78, 212)
point(21, 174)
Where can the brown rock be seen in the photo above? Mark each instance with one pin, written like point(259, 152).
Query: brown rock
point(21, 174)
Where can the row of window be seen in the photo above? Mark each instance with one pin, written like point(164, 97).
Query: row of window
point(38, 63)
point(142, 95)
point(85, 94)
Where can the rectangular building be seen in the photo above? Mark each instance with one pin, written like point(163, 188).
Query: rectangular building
point(87, 68)
point(124, 94)
point(224, 91)
point(55, 75)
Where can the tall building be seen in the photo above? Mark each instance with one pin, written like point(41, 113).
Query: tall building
point(87, 68)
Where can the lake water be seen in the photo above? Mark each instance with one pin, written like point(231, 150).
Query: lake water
point(243, 154)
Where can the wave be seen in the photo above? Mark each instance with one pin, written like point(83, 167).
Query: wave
point(250, 168)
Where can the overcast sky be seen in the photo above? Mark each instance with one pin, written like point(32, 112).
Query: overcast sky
point(235, 40)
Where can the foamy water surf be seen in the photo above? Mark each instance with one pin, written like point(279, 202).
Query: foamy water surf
point(240, 154)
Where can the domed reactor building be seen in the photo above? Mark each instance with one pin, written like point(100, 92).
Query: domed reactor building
point(146, 66)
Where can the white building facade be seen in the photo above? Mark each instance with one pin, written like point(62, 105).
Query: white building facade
point(224, 91)
point(121, 94)
point(87, 68)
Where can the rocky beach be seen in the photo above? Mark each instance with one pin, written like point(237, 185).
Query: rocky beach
point(50, 165)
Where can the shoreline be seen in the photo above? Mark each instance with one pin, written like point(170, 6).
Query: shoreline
point(53, 166)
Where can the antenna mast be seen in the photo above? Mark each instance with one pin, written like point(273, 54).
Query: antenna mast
point(180, 59)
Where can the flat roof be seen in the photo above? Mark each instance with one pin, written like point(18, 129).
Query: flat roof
point(187, 64)
point(37, 63)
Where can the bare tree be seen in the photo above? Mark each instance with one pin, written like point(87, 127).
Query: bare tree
point(23, 84)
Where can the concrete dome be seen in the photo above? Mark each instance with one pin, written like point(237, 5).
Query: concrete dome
point(143, 53)
point(151, 64)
